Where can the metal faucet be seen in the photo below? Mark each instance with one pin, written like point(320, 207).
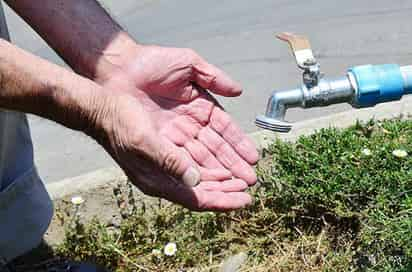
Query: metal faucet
point(363, 86)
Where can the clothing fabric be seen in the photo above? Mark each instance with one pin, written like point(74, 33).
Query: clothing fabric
point(25, 206)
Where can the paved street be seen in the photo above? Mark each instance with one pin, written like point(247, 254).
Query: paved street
point(238, 36)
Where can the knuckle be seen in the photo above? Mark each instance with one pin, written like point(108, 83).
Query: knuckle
point(138, 138)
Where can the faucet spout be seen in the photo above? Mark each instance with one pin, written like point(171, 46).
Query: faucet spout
point(278, 103)
point(327, 92)
point(363, 86)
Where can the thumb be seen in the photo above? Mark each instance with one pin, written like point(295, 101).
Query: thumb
point(176, 163)
point(212, 78)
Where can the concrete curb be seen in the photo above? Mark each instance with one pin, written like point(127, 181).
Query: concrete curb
point(104, 176)
point(86, 182)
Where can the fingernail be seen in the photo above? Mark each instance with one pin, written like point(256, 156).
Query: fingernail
point(191, 177)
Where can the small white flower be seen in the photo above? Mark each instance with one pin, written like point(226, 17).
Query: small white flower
point(366, 152)
point(399, 153)
point(156, 252)
point(77, 200)
point(170, 249)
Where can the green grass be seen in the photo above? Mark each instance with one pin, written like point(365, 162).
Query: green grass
point(321, 205)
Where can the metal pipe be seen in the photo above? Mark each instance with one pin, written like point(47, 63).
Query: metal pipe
point(328, 92)
point(363, 86)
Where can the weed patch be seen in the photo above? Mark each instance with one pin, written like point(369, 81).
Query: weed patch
point(337, 200)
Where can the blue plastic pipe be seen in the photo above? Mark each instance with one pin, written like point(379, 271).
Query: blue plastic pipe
point(380, 83)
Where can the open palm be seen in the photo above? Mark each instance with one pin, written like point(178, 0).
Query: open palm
point(171, 83)
point(207, 133)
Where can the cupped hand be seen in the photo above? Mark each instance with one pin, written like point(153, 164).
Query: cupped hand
point(155, 164)
point(171, 83)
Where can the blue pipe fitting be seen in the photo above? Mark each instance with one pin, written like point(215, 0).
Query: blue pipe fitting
point(407, 78)
point(377, 84)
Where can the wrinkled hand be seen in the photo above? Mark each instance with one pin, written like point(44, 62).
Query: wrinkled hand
point(171, 72)
point(173, 81)
point(156, 165)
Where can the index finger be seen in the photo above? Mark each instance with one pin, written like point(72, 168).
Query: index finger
point(214, 79)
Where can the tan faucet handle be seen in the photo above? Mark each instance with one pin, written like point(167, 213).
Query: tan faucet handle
point(300, 47)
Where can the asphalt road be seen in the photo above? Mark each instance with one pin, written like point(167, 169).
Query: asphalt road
point(238, 36)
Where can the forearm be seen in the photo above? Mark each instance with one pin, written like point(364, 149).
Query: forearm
point(33, 85)
point(81, 32)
